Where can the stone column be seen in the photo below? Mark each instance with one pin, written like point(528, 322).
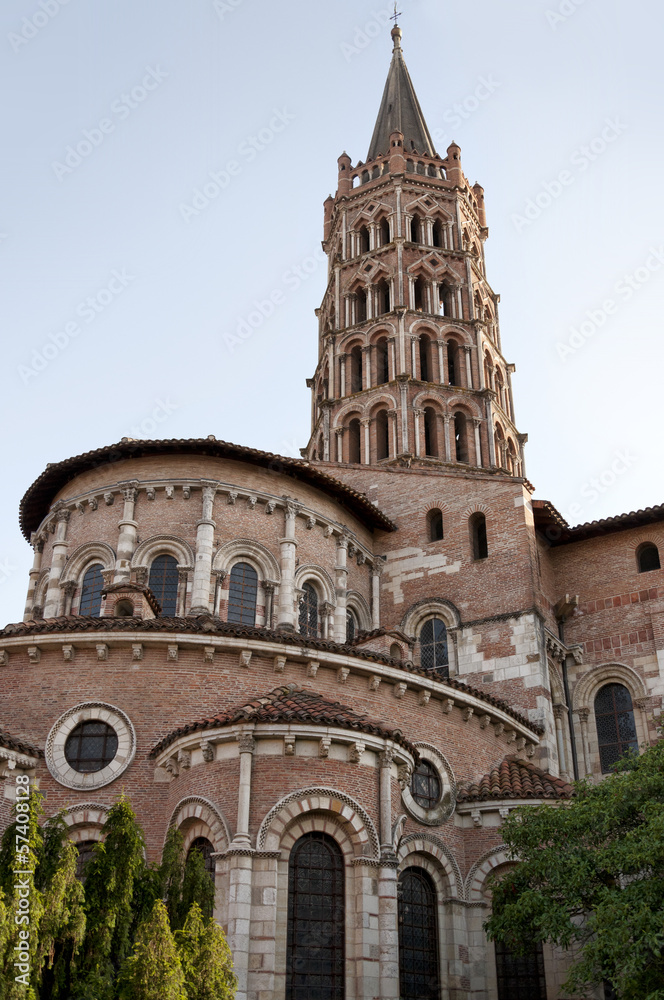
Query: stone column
point(287, 614)
point(459, 303)
point(128, 534)
point(326, 431)
point(490, 433)
point(418, 415)
point(200, 598)
point(413, 355)
point(183, 580)
point(584, 715)
point(366, 423)
point(219, 577)
point(447, 419)
point(341, 588)
point(385, 760)
point(376, 573)
point(644, 705)
point(58, 559)
point(240, 871)
point(478, 443)
point(388, 916)
point(469, 367)
point(68, 589)
point(38, 542)
point(441, 361)
point(247, 745)
point(403, 388)
point(366, 366)
point(269, 589)
point(393, 442)
point(392, 358)
point(560, 713)
point(339, 431)
point(342, 375)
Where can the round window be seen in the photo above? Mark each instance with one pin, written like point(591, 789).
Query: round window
point(425, 785)
point(91, 746)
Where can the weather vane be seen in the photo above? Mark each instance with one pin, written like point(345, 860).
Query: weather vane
point(397, 14)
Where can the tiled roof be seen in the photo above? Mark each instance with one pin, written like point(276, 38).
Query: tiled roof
point(37, 500)
point(292, 704)
point(205, 624)
point(515, 779)
point(9, 743)
point(558, 531)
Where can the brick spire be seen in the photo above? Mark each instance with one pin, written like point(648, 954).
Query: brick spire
point(400, 110)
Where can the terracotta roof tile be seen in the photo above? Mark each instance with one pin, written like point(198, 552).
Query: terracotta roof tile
point(515, 779)
point(19, 746)
point(292, 704)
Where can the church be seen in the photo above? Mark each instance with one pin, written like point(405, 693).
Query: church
point(337, 675)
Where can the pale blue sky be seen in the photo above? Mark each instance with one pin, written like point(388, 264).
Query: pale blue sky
point(209, 77)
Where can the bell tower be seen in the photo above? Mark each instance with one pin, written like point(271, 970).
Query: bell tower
point(410, 368)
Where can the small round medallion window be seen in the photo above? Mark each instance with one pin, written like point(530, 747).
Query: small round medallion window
point(91, 746)
point(425, 785)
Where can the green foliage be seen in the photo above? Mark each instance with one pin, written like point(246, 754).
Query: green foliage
point(183, 883)
point(206, 958)
point(154, 971)
point(591, 874)
point(62, 926)
point(197, 887)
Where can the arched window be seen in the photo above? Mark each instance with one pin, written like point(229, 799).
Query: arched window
point(415, 225)
point(206, 850)
point(419, 973)
point(364, 238)
point(438, 234)
point(426, 373)
point(382, 436)
point(382, 363)
point(435, 525)
point(309, 611)
point(396, 651)
point(425, 785)
point(520, 977)
point(356, 369)
point(360, 305)
point(461, 437)
point(85, 850)
point(384, 232)
point(316, 920)
point(616, 729)
point(351, 627)
point(430, 432)
point(354, 442)
point(478, 539)
point(648, 558)
point(452, 367)
point(163, 583)
point(242, 594)
point(446, 302)
point(93, 584)
point(433, 646)
point(383, 297)
point(419, 293)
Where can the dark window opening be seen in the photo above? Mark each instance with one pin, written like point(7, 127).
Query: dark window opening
point(435, 525)
point(124, 609)
point(419, 294)
point(163, 583)
point(382, 436)
point(243, 594)
point(478, 537)
point(384, 232)
point(351, 627)
point(356, 370)
point(452, 354)
point(520, 977)
point(315, 966)
point(425, 785)
point(383, 296)
point(433, 646)
point(309, 611)
point(616, 729)
point(430, 432)
point(91, 746)
point(445, 306)
point(354, 442)
point(382, 363)
point(360, 306)
point(364, 239)
point(461, 437)
point(425, 359)
point(206, 850)
point(93, 584)
point(415, 229)
point(396, 651)
point(85, 850)
point(648, 558)
point(438, 237)
point(419, 974)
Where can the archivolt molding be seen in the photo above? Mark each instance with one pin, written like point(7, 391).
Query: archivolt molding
point(327, 800)
point(56, 761)
point(163, 545)
point(85, 821)
point(347, 411)
point(453, 332)
point(427, 327)
point(431, 396)
point(587, 687)
point(418, 613)
point(306, 573)
point(87, 555)
point(429, 843)
point(477, 876)
point(468, 406)
point(477, 508)
point(385, 398)
point(437, 505)
point(356, 602)
point(203, 819)
point(389, 329)
point(246, 550)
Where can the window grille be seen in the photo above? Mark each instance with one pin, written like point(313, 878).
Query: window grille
point(520, 977)
point(243, 594)
point(163, 582)
point(350, 627)
point(93, 584)
point(425, 785)
point(433, 646)
point(91, 746)
point(419, 973)
point(616, 729)
point(206, 849)
point(309, 611)
point(316, 920)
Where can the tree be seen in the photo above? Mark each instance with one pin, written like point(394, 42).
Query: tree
point(62, 926)
point(154, 971)
point(181, 883)
point(591, 875)
point(206, 958)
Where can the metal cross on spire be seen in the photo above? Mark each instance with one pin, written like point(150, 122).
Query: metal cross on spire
point(397, 14)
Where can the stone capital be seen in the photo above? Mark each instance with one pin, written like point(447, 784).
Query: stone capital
point(246, 742)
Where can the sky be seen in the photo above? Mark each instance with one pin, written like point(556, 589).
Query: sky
point(164, 167)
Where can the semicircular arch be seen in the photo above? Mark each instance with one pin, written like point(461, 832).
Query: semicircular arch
point(246, 550)
point(163, 545)
point(199, 817)
point(428, 844)
point(85, 555)
point(274, 833)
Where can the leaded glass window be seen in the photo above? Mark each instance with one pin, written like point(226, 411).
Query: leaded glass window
point(93, 584)
point(419, 974)
point(425, 786)
point(316, 920)
point(616, 730)
point(433, 646)
point(520, 977)
point(91, 746)
point(243, 594)
point(309, 611)
point(163, 583)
